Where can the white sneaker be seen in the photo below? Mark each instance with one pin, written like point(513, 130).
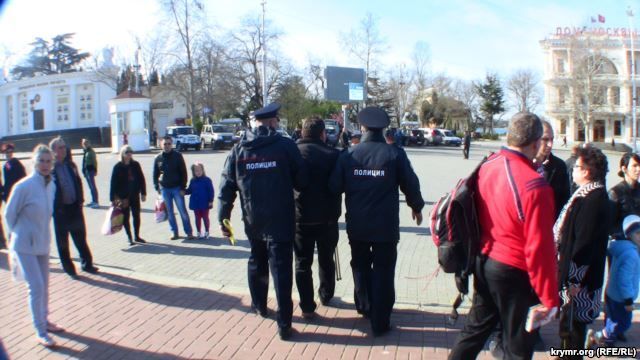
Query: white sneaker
point(46, 341)
point(206, 235)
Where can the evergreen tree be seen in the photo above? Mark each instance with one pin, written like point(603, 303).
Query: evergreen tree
point(51, 58)
point(492, 100)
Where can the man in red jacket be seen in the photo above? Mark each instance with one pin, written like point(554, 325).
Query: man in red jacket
point(517, 267)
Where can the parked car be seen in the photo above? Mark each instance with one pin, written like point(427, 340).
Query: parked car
point(449, 137)
point(414, 137)
point(432, 136)
point(333, 135)
point(216, 136)
point(184, 137)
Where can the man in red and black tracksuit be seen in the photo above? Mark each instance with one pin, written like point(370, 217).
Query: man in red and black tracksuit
point(517, 267)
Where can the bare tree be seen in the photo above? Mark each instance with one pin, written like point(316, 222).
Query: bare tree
point(186, 15)
point(587, 66)
point(421, 60)
point(152, 52)
point(524, 91)
point(245, 55)
point(465, 92)
point(365, 43)
point(399, 83)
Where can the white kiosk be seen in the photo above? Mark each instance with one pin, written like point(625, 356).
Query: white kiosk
point(129, 114)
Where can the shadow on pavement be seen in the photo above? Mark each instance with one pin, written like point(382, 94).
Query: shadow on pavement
point(96, 349)
point(237, 252)
point(183, 297)
point(411, 328)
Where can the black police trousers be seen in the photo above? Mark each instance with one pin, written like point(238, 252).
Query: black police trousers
point(71, 221)
point(502, 294)
point(307, 236)
point(374, 265)
point(279, 257)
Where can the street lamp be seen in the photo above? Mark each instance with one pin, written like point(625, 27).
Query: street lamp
point(633, 81)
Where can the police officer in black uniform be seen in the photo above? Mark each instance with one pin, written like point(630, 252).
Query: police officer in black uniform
point(369, 174)
point(317, 213)
point(264, 168)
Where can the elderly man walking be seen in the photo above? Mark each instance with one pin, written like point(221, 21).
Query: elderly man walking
point(68, 216)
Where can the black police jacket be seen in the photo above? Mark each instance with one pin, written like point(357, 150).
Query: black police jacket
point(169, 171)
point(316, 204)
point(369, 174)
point(264, 168)
point(556, 174)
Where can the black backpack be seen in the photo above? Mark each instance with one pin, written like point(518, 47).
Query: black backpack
point(456, 232)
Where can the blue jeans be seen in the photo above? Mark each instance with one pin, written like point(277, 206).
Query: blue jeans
point(617, 320)
point(170, 195)
point(35, 269)
point(90, 175)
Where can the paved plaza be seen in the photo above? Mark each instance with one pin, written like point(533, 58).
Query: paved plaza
point(189, 299)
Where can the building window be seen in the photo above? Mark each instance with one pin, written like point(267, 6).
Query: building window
point(10, 112)
point(85, 102)
point(24, 110)
point(617, 128)
point(563, 126)
point(615, 95)
point(599, 95)
point(62, 104)
point(637, 95)
point(560, 66)
point(563, 93)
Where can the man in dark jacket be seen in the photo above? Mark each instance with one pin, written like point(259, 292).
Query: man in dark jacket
point(68, 217)
point(317, 213)
point(90, 170)
point(369, 174)
point(264, 168)
point(553, 168)
point(466, 144)
point(170, 180)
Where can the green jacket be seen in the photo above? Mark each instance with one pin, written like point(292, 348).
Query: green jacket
point(89, 161)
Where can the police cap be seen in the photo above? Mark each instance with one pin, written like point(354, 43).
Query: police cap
point(267, 112)
point(373, 117)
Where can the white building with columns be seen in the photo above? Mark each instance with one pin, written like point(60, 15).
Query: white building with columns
point(54, 103)
point(609, 94)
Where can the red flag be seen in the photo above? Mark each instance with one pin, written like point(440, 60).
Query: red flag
point(600, 18)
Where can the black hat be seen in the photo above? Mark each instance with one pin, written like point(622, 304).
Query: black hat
point(373, 117)
point(267, 112)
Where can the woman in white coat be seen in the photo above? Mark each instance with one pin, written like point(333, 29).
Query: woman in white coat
point(28, 217)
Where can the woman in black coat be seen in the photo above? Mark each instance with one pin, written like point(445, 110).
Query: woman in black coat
point(13, 171)
point(581, 234)
point(625, 196)
point(128, 187)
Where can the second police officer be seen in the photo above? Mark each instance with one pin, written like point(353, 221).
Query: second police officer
point(369, 174)
point(265, 168)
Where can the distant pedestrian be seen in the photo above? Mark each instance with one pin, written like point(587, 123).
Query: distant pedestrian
point(466, 144)
point(90, 170)
point(68, 216)
point(553, 169)
point(370, 175)
point(517, 267)
point(201, 200)
point(581, 235)
point(317, 213)
point(264, 168)
point(154, 138)
point(622, 285)
point(13, 170)
point(564, 141)
point(28, 215)
point(170, 180)
point(128, 187)
point(625, 195)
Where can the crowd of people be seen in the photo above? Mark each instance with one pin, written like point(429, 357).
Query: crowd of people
point(547, 226)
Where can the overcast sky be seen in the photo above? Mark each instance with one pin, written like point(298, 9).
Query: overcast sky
point(466, 38)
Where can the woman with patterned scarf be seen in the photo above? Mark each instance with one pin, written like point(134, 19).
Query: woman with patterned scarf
point(581, 234)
